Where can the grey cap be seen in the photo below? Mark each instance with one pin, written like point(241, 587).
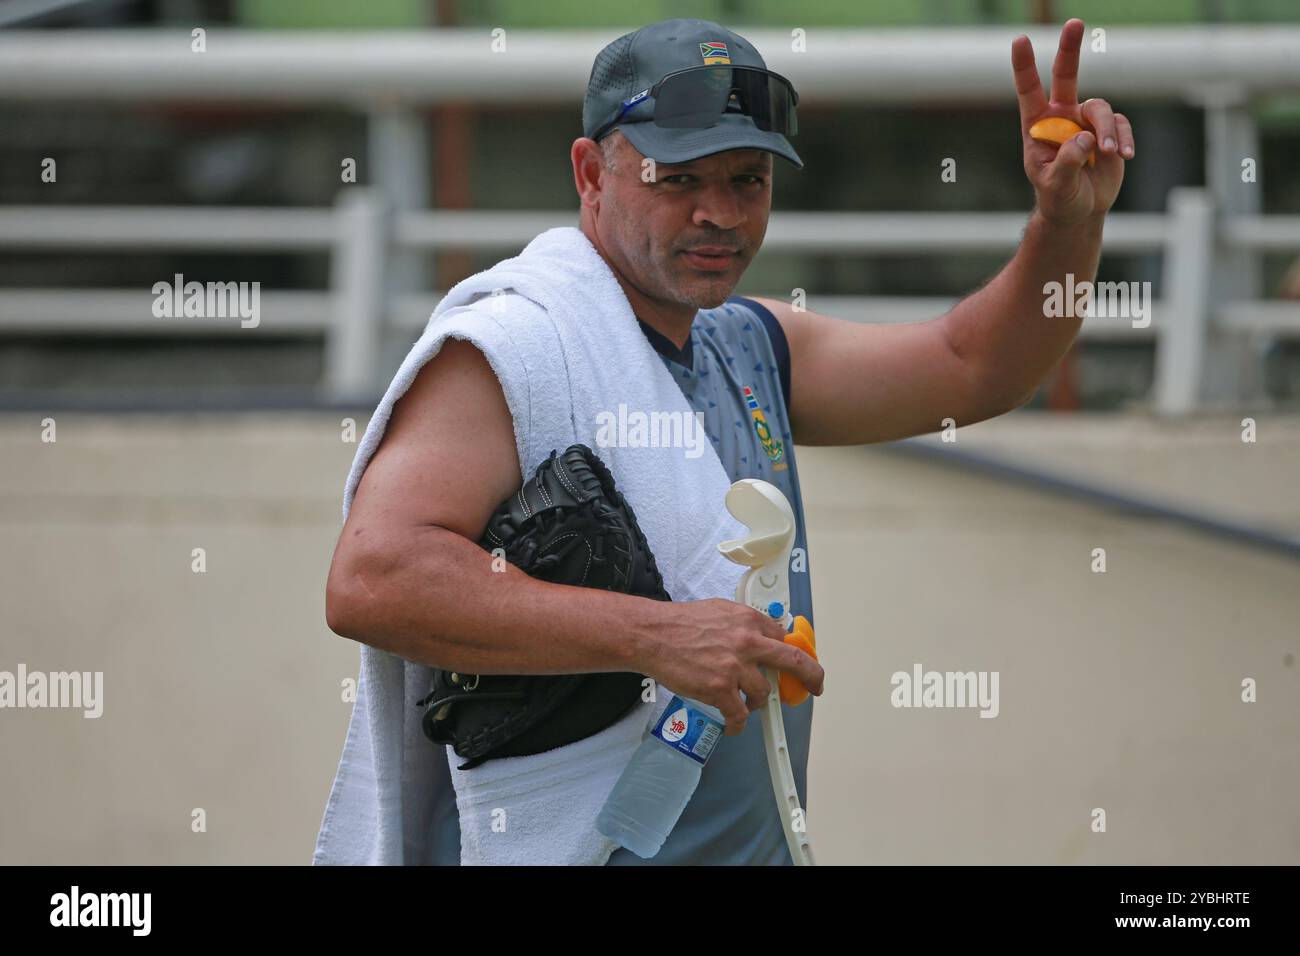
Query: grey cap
point(637, 60)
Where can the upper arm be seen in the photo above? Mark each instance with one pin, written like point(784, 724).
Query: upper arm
point(856, 383)
point(447, 457)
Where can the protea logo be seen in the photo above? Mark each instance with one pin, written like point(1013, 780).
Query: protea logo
point(775, 450)
point(674, 728)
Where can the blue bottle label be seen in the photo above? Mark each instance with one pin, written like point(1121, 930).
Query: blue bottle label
point(688, 730)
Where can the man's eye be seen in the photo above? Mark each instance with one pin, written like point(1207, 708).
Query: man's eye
point(670, 178)
point(754, 180)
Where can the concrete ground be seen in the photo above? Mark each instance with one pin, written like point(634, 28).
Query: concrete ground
point(1119, 691)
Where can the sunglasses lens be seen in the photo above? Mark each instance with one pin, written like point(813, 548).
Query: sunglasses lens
point(693, 100)
point(768, 101)
point(697, 99)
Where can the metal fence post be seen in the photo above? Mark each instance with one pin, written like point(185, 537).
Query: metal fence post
point(1188, 309)
point(399, 162)
point(1233, 370)
point(357, 296)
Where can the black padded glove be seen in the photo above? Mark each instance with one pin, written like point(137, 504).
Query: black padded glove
point(569, 525)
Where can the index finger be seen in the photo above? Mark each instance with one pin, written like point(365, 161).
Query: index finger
point(788, 658)
point(1065, 68)
point(1029, 89)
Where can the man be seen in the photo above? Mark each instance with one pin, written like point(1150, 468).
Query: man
point(677, 205)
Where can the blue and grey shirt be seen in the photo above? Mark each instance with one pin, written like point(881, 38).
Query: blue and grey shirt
point(735, 369)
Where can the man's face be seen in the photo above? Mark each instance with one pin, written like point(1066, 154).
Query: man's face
point(687, 235)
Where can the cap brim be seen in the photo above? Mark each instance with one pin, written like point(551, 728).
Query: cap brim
point(732, 131)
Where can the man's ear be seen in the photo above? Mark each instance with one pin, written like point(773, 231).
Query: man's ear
point(588, 165)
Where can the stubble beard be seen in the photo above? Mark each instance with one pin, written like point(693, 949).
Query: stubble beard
point(677, 282)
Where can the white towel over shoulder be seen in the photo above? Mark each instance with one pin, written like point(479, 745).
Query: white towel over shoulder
point(561, 337)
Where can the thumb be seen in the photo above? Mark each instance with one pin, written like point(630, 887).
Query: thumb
point(1072, 156)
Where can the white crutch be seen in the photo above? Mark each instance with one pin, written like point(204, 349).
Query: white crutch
point(765, 587)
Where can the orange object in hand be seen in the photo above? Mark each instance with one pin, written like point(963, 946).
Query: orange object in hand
point(792, 690)
point(1058, 130)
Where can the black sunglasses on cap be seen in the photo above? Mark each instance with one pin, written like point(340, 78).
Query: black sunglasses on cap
point(696, 98)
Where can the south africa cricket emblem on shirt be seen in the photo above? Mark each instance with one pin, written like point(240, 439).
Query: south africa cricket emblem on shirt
point(772, 445)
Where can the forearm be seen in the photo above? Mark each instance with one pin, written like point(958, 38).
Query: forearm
point(435, 599)
point(1001, 332)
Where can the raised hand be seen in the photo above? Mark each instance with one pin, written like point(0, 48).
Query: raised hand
point(1068, 190)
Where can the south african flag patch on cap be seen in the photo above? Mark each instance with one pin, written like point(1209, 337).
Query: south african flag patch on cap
point(714, 52)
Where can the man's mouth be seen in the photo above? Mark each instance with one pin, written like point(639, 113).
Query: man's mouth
point(710, 258)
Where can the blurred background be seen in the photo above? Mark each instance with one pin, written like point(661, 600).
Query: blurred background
point(358, 159)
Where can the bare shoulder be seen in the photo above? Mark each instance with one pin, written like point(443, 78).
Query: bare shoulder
point(781, 310)
point(795, 324)
point(448, 455)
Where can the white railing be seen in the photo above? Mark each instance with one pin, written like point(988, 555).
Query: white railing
point(361, 236)
point(1210, 240)
point(504, 65)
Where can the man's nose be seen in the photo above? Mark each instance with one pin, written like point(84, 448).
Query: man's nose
point(719, 206)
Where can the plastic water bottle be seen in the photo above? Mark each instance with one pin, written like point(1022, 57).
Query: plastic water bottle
point(658, 781)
